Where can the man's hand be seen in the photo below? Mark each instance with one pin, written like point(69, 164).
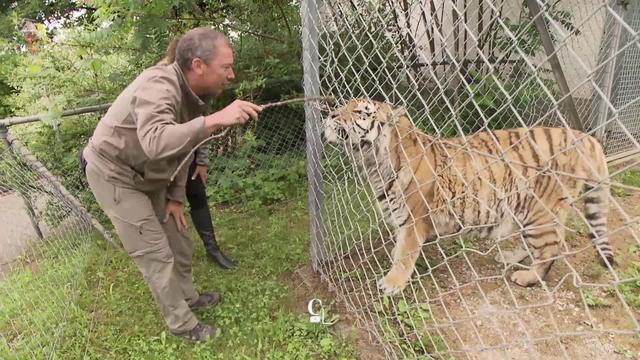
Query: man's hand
point(174, 209)
point(238, 112)
point(201, 171)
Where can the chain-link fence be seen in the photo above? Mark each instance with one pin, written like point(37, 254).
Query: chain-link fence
point(619, 56)
point(51, 222)
point(458, 68)
point(45, 241)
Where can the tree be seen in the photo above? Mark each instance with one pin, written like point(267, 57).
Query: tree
point(92, 49)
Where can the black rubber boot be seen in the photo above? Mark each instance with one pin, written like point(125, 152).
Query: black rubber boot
point(204, 226)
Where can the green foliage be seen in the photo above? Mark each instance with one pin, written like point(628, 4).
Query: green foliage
point(362, 59)
point(594, 300)
point(409, 318)
point(629, 177)
point(37, 296)
point(454, 247)
point(500, 98)
point(266, 38)
point(503, 96)
point(58, 151)
point(10, 167)
point(93, 53)
point(12, 45)
point(67, 75)
point(631, 290)
point(527, 38)
point(6, 91)
point(250, 177)
point(65, 11)
point(630, 282)
point(506, 95)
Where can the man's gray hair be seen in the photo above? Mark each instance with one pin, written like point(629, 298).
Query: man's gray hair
point(198, 43)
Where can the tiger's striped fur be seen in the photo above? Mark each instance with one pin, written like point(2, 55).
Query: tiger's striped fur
point(492, 184)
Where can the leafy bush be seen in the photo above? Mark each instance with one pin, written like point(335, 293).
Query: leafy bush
point(250, 177)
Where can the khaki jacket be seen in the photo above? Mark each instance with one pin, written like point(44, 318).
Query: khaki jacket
point(148, 130)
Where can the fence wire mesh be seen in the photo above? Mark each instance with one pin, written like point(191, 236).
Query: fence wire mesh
point(44, 241)
point(48, 239)
point(459, 68)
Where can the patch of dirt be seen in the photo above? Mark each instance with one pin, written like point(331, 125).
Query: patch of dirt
point(305, 285)
point(575, 315)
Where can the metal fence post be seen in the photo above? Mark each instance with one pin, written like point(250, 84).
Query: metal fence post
point(547, 43)
point(310, 59)
point(608, 77)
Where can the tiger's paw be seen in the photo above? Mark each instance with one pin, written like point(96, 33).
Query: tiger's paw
point(525, 278)
point(392, 284)
point(512, 257)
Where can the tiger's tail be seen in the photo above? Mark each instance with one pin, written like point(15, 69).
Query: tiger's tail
point(596, 200)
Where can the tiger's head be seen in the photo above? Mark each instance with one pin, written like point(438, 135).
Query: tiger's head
point(359, 123)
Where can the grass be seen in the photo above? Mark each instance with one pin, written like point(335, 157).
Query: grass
point(629, 177)
point(114, 316)
point(593, 300)
point(409, 319)
point(92, 303)
point(36, 294)
point(630, 289)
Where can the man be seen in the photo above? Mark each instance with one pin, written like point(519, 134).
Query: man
point(196, 191)
point(138, 144)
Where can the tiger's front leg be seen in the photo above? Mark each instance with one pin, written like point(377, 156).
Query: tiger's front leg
point(544, 244)
point(409, 241)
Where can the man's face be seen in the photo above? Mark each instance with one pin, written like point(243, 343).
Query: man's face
point(217, 73)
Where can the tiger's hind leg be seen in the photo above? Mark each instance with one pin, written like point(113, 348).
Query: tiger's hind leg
point(543, 239)
point(409, 241)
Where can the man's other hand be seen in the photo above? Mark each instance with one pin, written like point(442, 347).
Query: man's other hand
point(201, 171)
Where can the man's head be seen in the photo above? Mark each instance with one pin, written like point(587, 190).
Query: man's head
point(206, 59)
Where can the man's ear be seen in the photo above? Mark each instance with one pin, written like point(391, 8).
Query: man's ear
point(197, 65)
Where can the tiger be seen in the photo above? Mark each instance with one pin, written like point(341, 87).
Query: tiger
point(494, 184)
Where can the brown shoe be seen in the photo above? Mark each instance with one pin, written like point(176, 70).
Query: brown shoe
point(199, 333)
point(205, 300)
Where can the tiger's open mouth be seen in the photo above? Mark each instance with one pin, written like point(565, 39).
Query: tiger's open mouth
point(335, 134)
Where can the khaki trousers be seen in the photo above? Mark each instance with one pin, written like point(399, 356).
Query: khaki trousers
point(161, 252)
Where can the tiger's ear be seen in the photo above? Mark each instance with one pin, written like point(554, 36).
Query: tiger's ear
point(396, 113)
